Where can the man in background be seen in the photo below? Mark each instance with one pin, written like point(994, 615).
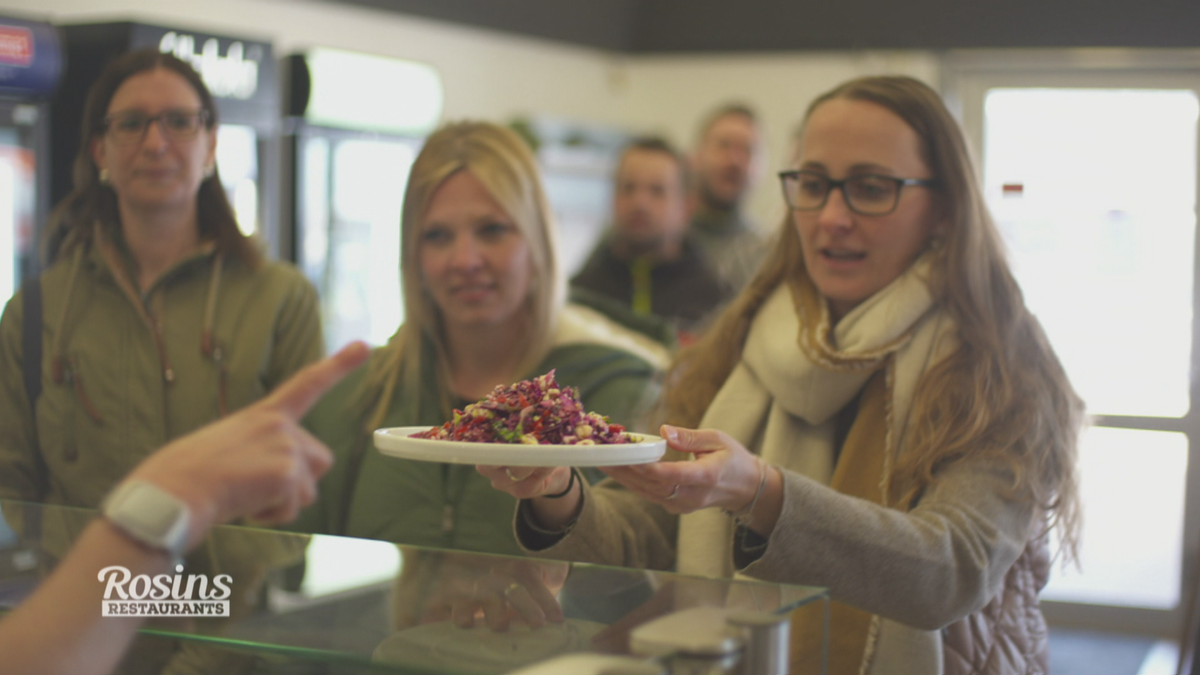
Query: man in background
point(725, 163)
point(647, 262)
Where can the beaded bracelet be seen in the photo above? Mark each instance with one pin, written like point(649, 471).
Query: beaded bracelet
point(564, 493)
point(744, 516)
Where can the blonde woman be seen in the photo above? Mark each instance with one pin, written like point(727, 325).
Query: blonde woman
point(485, 301)
point(880, 414)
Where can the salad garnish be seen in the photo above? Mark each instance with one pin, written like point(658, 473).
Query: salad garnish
point(534, 412)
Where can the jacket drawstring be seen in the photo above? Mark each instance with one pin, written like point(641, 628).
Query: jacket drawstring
point(82, 394)
point(111, 256)
point(65, 370)
point(157, 329)
point(208, 343)
point(58, 369)
point(62, 368)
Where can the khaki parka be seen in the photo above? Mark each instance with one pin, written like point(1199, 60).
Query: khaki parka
point(125, 372)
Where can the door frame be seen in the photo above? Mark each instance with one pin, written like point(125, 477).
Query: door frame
point(966, 76)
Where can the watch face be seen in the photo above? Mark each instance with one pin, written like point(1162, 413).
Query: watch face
point(150, 515)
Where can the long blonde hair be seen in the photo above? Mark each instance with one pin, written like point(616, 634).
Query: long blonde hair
point(506, 167)
point(1002, 395)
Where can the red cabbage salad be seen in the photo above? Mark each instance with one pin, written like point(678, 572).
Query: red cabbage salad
point(533, 412)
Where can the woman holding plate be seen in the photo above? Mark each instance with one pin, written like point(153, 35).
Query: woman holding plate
point(879, 414)
point(485, 306)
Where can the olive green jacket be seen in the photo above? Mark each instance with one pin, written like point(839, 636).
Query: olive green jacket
point(122, 374)
point(371, 495)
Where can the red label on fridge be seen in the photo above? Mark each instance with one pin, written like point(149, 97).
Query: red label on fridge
point(16, 46)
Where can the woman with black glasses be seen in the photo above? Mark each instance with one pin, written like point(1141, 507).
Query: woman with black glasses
point(878, 414)
point(158, 315)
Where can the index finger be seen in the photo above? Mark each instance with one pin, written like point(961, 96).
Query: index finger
point(695, 440)
point(295, 396)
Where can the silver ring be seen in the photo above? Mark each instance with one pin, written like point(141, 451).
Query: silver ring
point(508, 472)
point(674, 493)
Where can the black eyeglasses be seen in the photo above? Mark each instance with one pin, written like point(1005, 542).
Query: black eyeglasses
point(866, 194)
point(127, 128)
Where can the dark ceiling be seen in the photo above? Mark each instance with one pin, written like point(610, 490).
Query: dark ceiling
point(675, 26)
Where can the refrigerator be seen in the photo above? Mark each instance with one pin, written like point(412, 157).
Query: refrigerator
point(31, 63)
point(355, 123)
point(241, 74)
point(578, 161)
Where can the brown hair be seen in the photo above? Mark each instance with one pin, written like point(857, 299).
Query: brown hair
point(1003, 394)
point(90, 201)
point(506, 167)
point(661, 146)
point(720, 113)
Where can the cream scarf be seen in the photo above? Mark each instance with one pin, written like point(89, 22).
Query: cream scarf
point(782, 399)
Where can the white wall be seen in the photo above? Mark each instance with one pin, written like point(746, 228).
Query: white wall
point(493, 75)
point(486, 73)
point(673, 94)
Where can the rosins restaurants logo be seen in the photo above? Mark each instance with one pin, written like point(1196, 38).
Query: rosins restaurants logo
point(164, 594)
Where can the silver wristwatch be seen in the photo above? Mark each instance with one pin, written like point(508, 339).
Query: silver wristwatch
point(150, 515)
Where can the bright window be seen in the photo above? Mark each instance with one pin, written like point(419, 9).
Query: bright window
point(1095, 194)
point(1094, 191)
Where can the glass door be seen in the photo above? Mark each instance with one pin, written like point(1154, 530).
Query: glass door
point(237, 157)
point(1089, 163)
point(349, 190)
point(18, 195)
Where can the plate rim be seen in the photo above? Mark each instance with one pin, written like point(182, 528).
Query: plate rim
point(385, 432)
point(400, 434)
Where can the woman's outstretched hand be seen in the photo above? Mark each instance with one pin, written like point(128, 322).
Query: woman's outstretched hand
point(723, 473)
point(559, 483)
point(259, 462)
point(524, 482)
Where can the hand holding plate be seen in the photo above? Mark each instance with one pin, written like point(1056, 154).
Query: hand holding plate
point(525, 482)
point(723, 473)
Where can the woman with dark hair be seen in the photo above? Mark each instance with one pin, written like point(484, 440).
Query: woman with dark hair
point(159, 315)
point(881, 415)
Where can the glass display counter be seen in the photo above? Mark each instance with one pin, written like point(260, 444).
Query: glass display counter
point(263, 601)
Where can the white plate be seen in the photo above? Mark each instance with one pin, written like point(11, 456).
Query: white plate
point(397, 442)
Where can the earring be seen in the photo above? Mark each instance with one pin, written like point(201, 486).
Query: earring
point(209, 170)
point(936, 241)
point(104, 176)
